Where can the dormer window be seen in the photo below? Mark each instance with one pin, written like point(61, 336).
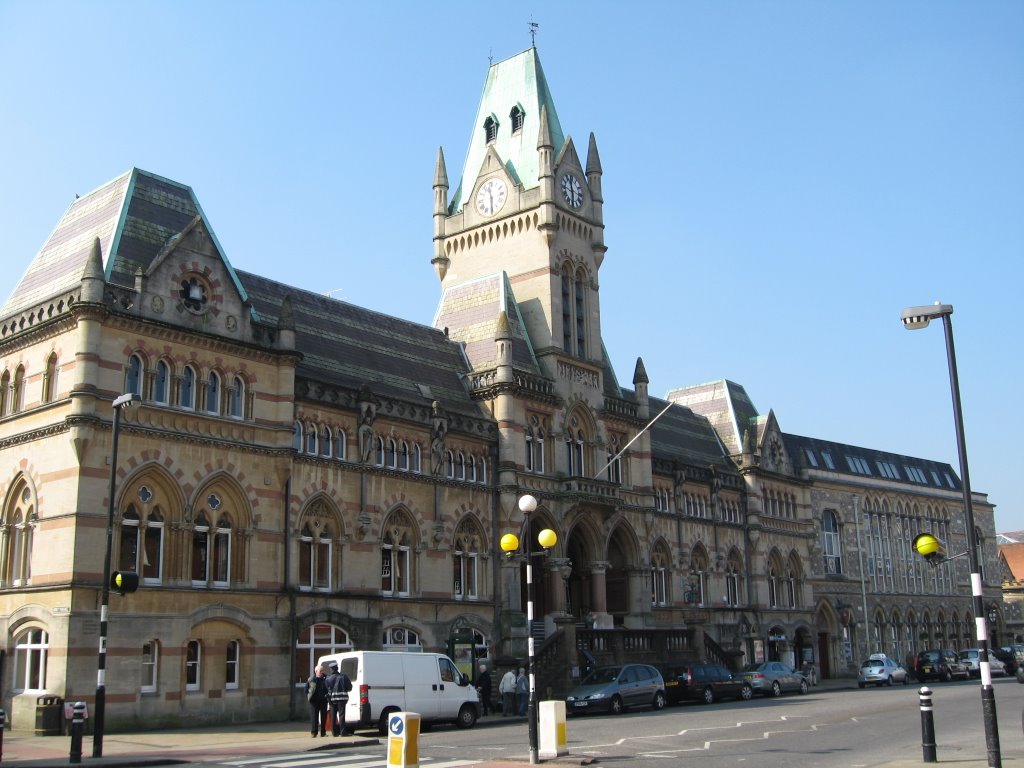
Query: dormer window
point(491, 130)
point(517, 116)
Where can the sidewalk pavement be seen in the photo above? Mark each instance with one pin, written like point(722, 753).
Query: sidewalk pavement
point(23, 749)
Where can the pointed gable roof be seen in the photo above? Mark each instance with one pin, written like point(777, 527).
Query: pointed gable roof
point(472, 309)
point(515, 81)
point(726, 406)
point(134, 217)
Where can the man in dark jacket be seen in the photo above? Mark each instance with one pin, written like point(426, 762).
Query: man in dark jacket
point(316, 695)
point(338, 686)
point(483, 686)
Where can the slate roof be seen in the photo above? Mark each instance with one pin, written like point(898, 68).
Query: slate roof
point(686, 436)
point(518, 80)
point(134, 216)
point(471, 311)
point(810, 453)
point(726, 405)
point(348, 346)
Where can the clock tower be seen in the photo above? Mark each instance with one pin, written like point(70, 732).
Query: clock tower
point(522, 232)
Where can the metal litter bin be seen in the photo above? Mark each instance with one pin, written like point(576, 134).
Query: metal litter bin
point(49, 715)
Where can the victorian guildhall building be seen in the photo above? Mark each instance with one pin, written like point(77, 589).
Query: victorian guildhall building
point(304, 476)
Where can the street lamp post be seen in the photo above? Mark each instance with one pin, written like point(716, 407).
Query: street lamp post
point(510, 545)
point(919, 317)
point(122, 402)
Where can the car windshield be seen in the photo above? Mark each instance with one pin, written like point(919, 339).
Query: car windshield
point(872, 663)
point(602, 675)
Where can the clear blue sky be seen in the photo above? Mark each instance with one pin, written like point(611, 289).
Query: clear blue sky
point(780, 178)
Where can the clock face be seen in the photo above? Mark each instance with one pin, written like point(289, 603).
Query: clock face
point(572, 190)
point(491, 197)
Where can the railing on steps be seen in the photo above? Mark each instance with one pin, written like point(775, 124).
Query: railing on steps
point(719, 655)
point(648, 646)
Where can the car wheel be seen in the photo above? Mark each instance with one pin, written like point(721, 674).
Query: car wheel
point(708, 696)
point(746, 693)
point(382, 723)
point(616, 707)
point(659, 700)
point(889, 681)
point(467, 716)
point(776, 688)
point(804, 687)
point(906, 679)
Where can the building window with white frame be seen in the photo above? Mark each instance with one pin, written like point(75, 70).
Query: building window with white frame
point(315, 559)
point(30, 652)
point(315, 641)
point(150, 667)
point(187, 390)
point(133, 376)
point(232, 665)
point(466, 562)
point(394, 571)
point(831, 543)
point(236, 400)
point(213, 392)
point(193, 662)
point(161, 383)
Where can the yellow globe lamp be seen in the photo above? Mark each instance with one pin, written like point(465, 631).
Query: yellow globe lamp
point(509, 543)
point(930, 548)
point(547, 538)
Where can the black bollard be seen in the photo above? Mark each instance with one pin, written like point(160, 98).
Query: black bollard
point(77, 724)
point(3, 722)
point(927, 726)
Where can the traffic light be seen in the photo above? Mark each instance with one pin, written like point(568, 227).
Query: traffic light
point(930, 548)
point(124, 582)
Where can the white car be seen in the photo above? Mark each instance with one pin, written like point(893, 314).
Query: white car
point(970, 656)
point(879, 669)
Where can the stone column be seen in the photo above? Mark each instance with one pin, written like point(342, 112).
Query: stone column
point(599, 596)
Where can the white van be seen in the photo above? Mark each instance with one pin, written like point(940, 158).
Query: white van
point(384, 682)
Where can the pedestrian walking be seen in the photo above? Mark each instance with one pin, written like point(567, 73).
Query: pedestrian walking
point(338, 686)
point(522, 691)
point(483, 687)
point(316, 695)
point(507, 689)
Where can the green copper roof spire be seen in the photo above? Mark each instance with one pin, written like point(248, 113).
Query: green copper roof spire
point(517, 82)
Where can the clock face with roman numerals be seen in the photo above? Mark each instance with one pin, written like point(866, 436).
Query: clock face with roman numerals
point(491, 197)
point(572, 190)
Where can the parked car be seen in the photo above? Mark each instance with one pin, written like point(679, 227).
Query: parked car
point(1009, 659)
point(772, 678)
point(881, 670)
point(704, 682)
point(616, 688)
point(972, 658)
point(939, 664)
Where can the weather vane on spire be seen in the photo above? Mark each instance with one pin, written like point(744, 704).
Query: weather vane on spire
point(533, 32)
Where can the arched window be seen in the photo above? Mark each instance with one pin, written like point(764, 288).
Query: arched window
point(129, 555)
point(517, 116)
point(490, 130)
point(30, 651)
point(449, 464)
point(615, 462)
point(50, 379)
point(471, 468)
point(574, 449)
point(213, 392)
point(161, 383)
point(395, 564)
point(153, 548)
point(18, 395)
point(315, 545)
point(733, 580)
point(482, 470)
point(403, 456)
point(460, 466)
point(339, 445)
point(326, 443)
point(660, 576)
point(133, 376)
point(391, 454)
point(314, 642)
point(466, 561)
point(401, 639)
point(581, 316)
point(311, 439)
point(20, 517)
point(187, 394)
point(415, 459)
point(378, 445)
point(831, 543)
point(5, 394)
point(297, 437)
point(211, 549)
point(567, 324)
point(698, 578)
point(236, 401)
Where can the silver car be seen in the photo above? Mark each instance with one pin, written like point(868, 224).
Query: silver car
point(772, 678)
point(971, 657)
point(879, 669)
point(614, 689)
